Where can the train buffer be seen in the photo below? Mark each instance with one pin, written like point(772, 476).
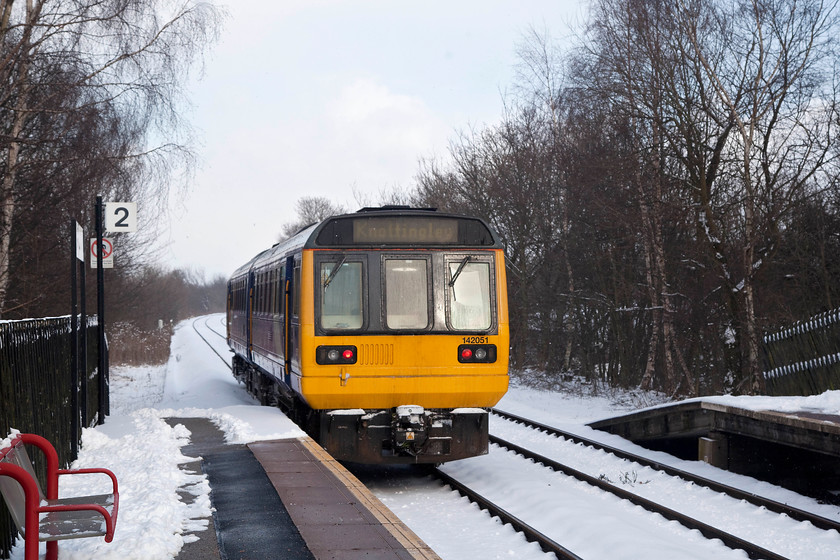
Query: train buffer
point(41, 517)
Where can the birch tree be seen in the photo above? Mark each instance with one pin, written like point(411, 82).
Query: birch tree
point(770, 71)
point(629, 63)
point(118, 64)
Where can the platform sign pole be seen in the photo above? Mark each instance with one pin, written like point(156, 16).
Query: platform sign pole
point(83, 365)
point(102, 373)
point(76, 238)
point(115, 217)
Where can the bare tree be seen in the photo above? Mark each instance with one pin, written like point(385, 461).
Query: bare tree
point(628, 63)
point(657, 196)
point(85, 69)
point(310, 210)
point(770, 73)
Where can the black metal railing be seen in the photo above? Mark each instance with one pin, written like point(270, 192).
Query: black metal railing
point(36, 389)
point(804, 359)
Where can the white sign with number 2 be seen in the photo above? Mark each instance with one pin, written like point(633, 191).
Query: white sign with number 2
point(120, 217)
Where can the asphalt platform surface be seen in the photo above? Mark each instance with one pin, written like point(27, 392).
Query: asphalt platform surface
point(288, 499)
point(250, 521)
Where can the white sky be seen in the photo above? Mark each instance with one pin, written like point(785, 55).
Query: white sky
point(324, 97)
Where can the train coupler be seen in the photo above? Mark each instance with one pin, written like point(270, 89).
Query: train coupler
point(409, 432)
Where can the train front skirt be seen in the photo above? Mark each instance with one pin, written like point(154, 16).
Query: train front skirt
point(404, 434)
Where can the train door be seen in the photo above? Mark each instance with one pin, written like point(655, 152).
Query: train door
point(250, 316)
point(282, 320)
point(291, 318)
point(229, 312)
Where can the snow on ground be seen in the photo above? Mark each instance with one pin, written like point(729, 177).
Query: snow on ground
point(144, 452)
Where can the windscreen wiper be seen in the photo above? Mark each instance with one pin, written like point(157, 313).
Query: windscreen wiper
point(458, 271)
point(334, 271)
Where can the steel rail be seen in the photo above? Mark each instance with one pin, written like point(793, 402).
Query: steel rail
point(708, 531)
point(544, 542)
point(211, 329)
point(207, 342)
point(737, 493)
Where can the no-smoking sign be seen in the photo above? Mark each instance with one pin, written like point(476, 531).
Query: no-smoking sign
point(107, 253)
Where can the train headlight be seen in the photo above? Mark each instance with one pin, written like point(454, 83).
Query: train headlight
point(328, 355)
point(477, 353)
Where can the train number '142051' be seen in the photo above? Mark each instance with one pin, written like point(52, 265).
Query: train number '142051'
point(476, 340)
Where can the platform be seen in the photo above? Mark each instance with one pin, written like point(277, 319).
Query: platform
point(335, 513)
point(289, 499)
point(798, 450)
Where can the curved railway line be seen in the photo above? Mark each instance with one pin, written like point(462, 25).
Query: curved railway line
point(549, 545)
point(207, 342)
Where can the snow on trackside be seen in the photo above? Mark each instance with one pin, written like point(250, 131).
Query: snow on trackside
point(144, 452)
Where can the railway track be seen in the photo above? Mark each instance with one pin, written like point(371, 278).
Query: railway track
point(708, 531)
point(211, 329)
point(603, 483)
point(737, 493)
point(207, 342)
point(549, 545)
point(533, 535)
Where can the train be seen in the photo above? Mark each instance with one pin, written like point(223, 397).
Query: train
point(382, 333)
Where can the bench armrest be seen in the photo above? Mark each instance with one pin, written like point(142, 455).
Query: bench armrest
point(93, 471)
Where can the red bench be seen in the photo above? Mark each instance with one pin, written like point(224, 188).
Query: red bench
point(47, 518)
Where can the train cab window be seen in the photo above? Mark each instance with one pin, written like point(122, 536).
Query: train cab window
point(469, 295)
point(406, 294)
point(341, 295)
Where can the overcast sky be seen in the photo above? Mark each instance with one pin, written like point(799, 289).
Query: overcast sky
point(321, 97)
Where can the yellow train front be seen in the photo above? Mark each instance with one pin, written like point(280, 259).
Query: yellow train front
point(384, 333)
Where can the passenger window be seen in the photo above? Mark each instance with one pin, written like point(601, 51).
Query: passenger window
point(341, 295)
point(406, 294)
point(469, 295)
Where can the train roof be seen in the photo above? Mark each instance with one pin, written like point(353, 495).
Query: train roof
point(384, 227)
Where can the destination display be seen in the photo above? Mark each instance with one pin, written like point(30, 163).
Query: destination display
point(404, 231)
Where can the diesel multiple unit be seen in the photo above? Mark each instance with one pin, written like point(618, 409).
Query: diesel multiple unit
point(383, 334)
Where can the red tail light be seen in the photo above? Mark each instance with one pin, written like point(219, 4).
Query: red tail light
point(477, 353)
point(327, 355)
